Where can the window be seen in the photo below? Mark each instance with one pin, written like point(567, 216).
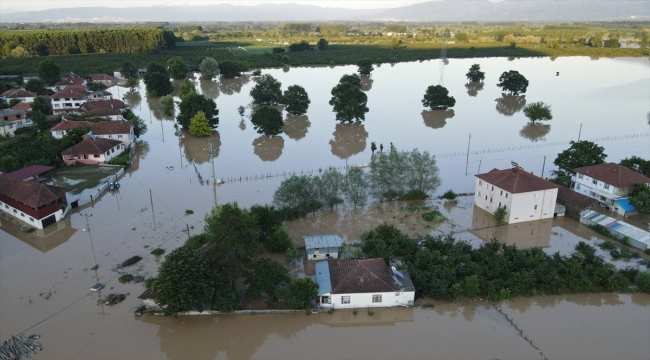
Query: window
point(108, 153)
point(326, 300)
point(490, 199)
point(499, 204)
point(492, 188)
point(485, 197)
point(15, 212)
point(67, 99)
point(31, 219)
point(119, 136)
point(501, 193)
point(535, 196)
point(345, 299)
point(606, 186)
point(535, 207)
point(595, 182)
point(506, 195)
point(480, 182)
point(96, 156)
point(21, 214)
point(479, 194)
point(577, 186)
point(6, 206)
point(57, 105)
point(376, 298)
point(580, 176)
point(110, 136)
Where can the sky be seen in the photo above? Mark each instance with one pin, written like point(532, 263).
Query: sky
point(29, 5)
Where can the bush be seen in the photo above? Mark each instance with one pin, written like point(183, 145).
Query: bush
point(601, 230)
point(258, 72)
point(500, 214)
point(415, 195)
point(189, 211)
point(433, 216)
point(449, 195)
point(125, 278)
point(294, 255)
point(642, 281)
point(121, 159)
point(197, 241)
point(278, 240)
point(607, 245)
point(157, 251)
point(148, 282)
point(278, 50)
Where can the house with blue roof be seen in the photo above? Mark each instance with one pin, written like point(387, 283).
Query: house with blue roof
point(320, 247)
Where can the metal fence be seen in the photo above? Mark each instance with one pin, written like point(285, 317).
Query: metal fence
point(97, 193)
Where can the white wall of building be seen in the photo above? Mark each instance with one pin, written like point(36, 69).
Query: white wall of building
point(365, 300)
point(534, 205)
point(28, 220)
point(126, 139)
point(585, 185)
point(8, 130)
point(67, 104)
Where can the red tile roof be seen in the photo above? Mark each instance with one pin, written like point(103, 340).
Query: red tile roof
point(91, 146)
point(69, 92)
point(516, 182)
point(22, 106)
point(30, 193)
point(110, 127)
point(17, 93)
point(71, 81)
point(24, 173)
point(103, 111)
point(70, 124)
point(568, 197)
point(613, 174)
point(360, 276)
point(113, 104)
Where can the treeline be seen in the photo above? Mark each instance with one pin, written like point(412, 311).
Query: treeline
point(396, 28)
point(332, 29)
point(65, 42)
point(298, 27)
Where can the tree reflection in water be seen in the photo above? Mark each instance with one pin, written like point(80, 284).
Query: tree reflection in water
point(349, 139)
point(473, 88)
point(508, 105)
point(535, 131)
point(133, 99)
point(196, 147)
point(140, 150)
point(437, 119)
point(209, 88)
point(231, 86)
point(268, 148)
point(366, 82)
point(155, 108)
point(296, 126)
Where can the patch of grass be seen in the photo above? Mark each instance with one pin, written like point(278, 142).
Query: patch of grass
point(189, 212)
point(125, 278)
point(415, 195)
point(29, 230)
point(427, 305)
point(94, 267)
point(121, 159)
point(157, 251)
point(433, 216)
point(416, 207)
point(607, 245)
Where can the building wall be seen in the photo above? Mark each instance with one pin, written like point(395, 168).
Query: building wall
point(69, 105)
point(584, 184)
point(117, 75)
point(364, 300)
point(320, 254)
point(126, 139)
point(520, 207)
point(32, 218)
point(94, 159)
point(8, 130)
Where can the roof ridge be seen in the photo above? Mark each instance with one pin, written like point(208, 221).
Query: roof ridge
point(373, 273)
point(342, 280)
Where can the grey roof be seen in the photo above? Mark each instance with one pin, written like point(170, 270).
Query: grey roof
point(9, 112)
point(323, 278)
point(322, 241)
point(617, 226)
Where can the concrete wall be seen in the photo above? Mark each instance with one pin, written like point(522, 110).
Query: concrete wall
point(364, 300)
point(321, 254)
point(26, 218)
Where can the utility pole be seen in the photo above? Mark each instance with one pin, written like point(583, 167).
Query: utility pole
point(212, 151)
point(87, 229)
point(152, 212)
point(580, 132)
point(467, 160)
point(543, 166)
point(479, 166)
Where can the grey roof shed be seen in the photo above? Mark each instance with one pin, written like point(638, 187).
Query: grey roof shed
point(322, 241)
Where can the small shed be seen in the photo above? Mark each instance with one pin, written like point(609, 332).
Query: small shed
point(624, 207)
point(321, 247)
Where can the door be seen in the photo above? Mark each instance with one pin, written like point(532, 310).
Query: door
point(49, 220)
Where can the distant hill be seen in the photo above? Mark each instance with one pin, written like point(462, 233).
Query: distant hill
point(440, 11)
point(520, 10)
point(222, 12)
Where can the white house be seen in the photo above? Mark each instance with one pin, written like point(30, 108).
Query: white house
point(608, 183)
point(70, 81)
point(346, 284)
point(525, 196)
point(68, 100)
point(103, 79)
point(114, 130)
point(38, 205)
point(18, 117)
point(19, 94)
point(321, 247)
point(7, 128)
point(92, 150)
point(60, 129)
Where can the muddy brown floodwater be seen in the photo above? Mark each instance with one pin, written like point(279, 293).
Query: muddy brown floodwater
point(45, 276)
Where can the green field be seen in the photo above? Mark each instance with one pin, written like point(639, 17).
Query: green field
point(253, 55)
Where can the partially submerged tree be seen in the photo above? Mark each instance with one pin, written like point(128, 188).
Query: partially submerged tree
point(538, 111)
point(209, 68)
point(267, 121)
point(640, 198)
point(437, 97)
point(355, 187)
point(278, 240)
point(298, 294)
point(395, 174)
point(268, 275)
point(157, 80)
point(177, 67)
point(513, 82)
point(267, 91)
point(329, 185)
point(229, 69)
point(167, 103)
point(579, 154)
point(353, 79)
point(296, 100)
point(297, 193)
point(192, 104)
point(139, 126)
point(199, 125)
point(128, 71)
point(500, 214)
point(475, 74)
point(365, 66)
point(349, 102)
point(187, 88)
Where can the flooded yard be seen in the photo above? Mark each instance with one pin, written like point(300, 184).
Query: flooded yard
point(45, 277)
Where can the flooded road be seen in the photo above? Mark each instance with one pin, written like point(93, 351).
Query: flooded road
point(45, 276)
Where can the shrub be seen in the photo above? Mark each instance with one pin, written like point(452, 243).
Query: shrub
point(601, 230)
point(258, 72)
point(500, 214)
point(197, 241)
point(189, 211)
point(415, 195)
point(294, 255)
point(607, 245)
point(449, 195)
point(125, 278)
point(370, 312)
point(121, 159)
point(427, 305)
point(642, 281)
point(433, 216)
point(157, 251)
point(148, 283)
point(278, 240)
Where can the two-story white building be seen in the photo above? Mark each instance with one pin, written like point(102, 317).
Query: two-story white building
point(525, 196)
point(114, 130)
point(68, 100)
point(608, 183)
point(92, 150)
point(18, 94)
point(348, 284)
point(7, 128)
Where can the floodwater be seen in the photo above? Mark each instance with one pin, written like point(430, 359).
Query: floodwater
point(45, 276)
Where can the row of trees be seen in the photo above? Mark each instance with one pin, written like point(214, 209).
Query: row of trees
point(206, 269)
point(393, 175)
point(62, 42)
